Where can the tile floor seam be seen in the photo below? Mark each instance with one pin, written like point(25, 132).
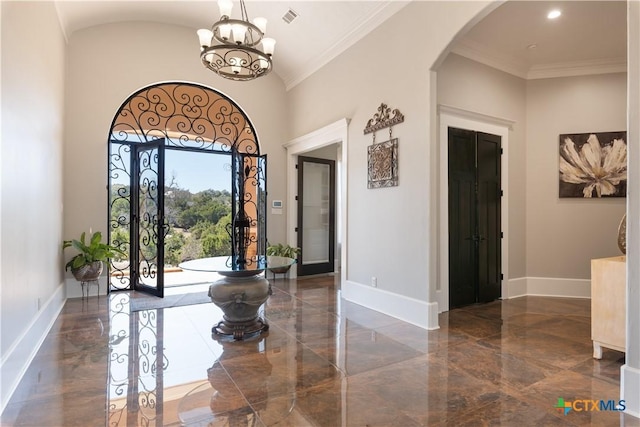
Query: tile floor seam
point(322, 394)
point(324, 358)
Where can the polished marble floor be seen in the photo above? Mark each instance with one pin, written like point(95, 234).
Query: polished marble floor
point(323, 362)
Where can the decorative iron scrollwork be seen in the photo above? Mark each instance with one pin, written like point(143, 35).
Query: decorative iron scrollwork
point(183, 117)
point(385, 117)
point(383, 157)
point(137, 365)
point(187, 116)
point(383, 164)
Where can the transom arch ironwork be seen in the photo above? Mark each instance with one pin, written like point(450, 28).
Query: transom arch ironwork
point(178, 116)
point(187, 115)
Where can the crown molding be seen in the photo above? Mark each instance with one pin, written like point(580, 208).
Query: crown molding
point(487, 56)
point(478, 117)
point(380, 14)
point(578, 68)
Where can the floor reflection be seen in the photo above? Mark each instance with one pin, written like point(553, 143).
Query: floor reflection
point(323, 362)
point(218, 401)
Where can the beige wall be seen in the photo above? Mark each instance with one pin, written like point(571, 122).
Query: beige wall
point(109, 62)
point(31, 196)
point(469, 85)
point(387, 229)
point(564, 234)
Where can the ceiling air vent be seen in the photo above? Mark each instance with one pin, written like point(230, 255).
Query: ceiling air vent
point(290, 16)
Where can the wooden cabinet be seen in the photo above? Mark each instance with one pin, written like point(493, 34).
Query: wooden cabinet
point(608, 306)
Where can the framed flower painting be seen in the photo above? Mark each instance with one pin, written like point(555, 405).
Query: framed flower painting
point(593, 164)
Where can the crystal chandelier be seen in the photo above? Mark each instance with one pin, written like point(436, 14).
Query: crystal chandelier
point(230, 47)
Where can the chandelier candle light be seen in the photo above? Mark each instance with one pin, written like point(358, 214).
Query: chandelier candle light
point(230, 47)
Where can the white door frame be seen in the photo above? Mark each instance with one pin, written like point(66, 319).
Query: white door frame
point(334, 133)
point(469, 120)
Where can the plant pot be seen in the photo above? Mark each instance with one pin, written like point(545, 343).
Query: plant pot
point(88, 272)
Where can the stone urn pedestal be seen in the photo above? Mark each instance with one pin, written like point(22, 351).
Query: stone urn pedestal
point(240, 294)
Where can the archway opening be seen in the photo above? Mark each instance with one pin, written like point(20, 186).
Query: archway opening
point(186, 180)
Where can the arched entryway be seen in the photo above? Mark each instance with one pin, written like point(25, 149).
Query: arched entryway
point(630, 372)
point(173, 119)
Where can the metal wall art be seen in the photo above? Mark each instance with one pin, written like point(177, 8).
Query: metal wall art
point(382, 164)
point(593, 165)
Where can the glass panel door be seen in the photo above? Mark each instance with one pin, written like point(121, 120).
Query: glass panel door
point(316, 215)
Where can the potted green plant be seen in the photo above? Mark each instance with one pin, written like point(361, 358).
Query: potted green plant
point(283, 250)
point(88, 263)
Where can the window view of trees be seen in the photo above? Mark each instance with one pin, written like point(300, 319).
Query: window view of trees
point(196, 224)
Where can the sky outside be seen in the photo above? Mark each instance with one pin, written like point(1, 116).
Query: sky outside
point(198, 171)
point(193, 171)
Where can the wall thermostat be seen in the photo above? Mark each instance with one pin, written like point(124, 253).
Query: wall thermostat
point(276, 204)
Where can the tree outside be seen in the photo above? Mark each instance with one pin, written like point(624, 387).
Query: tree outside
point(196, 224)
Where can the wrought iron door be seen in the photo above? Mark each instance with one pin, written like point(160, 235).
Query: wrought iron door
point(148, 227)
point(187, 117)
point(249, 207)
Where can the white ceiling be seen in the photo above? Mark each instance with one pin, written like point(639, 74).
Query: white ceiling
point(589, 36)
point(322, 30)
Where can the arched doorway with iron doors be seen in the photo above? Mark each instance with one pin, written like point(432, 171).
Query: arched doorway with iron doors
point(198, 130)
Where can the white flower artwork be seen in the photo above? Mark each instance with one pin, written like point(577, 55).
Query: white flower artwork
point(593, 165)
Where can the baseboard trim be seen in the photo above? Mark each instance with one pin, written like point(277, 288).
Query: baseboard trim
point(548, 287)
point(425, 314)
point(18, 358)
point(556, 287)
point(516, 288)
point(630, 389)
point(410, 310)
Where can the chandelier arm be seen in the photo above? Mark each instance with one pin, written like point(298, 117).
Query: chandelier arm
point(243, 11)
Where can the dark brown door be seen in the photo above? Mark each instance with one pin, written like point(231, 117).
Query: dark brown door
point(474, 217)
point(316, 215)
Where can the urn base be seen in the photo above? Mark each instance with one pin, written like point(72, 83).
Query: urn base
point(240, 299)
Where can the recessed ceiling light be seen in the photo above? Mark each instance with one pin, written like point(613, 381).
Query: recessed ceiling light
point(554, 14)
